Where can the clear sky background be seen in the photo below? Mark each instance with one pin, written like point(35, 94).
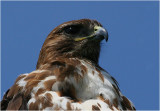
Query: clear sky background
point(130, 55)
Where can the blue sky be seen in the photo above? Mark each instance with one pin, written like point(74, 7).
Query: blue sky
point(131, 54)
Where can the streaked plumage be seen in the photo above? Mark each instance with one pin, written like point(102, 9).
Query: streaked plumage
point(68, 76)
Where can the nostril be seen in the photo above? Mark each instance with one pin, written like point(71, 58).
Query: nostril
point(95, 29)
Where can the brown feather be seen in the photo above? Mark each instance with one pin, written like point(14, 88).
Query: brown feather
point(15, 103)
point(5, 101)
point(126, 104)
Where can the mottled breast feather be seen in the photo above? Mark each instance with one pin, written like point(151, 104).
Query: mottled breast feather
point(70, 84)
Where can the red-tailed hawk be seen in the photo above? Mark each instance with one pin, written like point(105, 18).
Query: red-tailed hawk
point(67, 76)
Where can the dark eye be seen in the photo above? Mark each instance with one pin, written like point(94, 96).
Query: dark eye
point(72, 29)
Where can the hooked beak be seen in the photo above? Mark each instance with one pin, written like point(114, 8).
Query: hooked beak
point(98, 32)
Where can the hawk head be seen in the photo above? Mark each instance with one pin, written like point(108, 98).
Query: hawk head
point(77, 38)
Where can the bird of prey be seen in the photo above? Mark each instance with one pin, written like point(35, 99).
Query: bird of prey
point(67, 75)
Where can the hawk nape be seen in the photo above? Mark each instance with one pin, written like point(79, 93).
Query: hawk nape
point(67, 76)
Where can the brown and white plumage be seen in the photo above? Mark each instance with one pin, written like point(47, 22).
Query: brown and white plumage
point(68, 76)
